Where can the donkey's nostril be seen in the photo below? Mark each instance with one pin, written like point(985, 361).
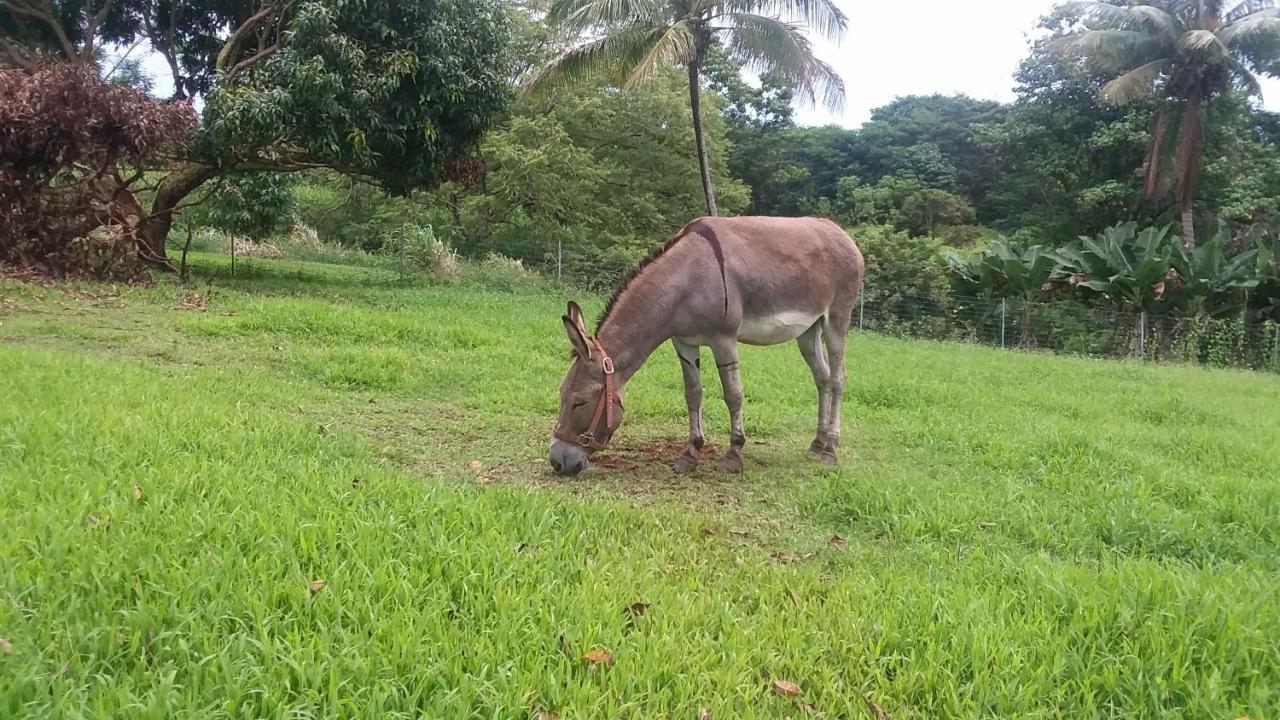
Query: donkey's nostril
point(555, 465)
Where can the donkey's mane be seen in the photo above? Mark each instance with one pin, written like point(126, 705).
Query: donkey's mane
point(635, 272)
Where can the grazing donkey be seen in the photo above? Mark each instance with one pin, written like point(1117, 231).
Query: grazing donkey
point(718, 282)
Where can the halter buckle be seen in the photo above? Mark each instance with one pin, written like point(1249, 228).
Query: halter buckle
point(608, 365)
point(587, 439)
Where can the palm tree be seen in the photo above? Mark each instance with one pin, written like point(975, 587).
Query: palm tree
point(1186, 50)
point(631, 40)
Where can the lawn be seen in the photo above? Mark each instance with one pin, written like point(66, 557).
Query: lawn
point(320, 491)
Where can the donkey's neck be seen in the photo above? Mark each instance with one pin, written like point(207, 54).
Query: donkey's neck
point(635, 328)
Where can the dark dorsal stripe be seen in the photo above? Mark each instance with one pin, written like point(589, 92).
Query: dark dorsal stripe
point(703, 229)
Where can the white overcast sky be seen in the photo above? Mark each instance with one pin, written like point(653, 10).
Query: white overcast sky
point(923, 47)
point(915, 47)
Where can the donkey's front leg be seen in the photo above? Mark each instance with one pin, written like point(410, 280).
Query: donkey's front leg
point(726, 352)
point(690, 367)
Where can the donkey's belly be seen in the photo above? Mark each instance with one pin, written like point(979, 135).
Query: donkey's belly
point(775, 328)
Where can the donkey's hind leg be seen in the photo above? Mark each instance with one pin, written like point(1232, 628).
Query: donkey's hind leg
point(690, 367)
point(835, 331)
point(816, 356)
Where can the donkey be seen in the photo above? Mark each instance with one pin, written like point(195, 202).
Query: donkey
point(718, 282)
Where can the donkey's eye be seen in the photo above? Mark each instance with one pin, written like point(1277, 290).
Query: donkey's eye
point(578, 404)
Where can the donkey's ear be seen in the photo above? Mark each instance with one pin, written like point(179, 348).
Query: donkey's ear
point(575, 314)
point(577, 338)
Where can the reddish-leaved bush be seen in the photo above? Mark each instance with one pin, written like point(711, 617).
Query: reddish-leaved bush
point(73, 148)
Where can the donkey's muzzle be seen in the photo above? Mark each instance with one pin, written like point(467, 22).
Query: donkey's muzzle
point(567, 459)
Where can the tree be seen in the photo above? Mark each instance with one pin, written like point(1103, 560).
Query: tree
point(1186, 50)
point(71, 150)
point(592, 170)
point(636, 39)
point(392, 92)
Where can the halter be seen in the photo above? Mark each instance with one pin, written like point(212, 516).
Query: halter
point(604, 410)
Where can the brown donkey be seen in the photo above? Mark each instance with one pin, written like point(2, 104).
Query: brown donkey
point(718, 282)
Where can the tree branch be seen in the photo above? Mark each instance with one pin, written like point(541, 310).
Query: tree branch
point(229, 49)
point(91, 27)
point(15, 55)
point(257, 58)
point(44, 13)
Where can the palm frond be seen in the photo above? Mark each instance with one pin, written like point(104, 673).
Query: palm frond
point(1138, 83)
point(1146, 18)
point(1246, 79)
point(1244, 8)
point(768, 44)
point(823, 17)
point(1255, 25)
point(674, 45)
point(1196, 41)
point(611, 58)
point(580, 15)
point(1116, 49)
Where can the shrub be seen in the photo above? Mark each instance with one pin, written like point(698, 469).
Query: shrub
point(72, 149)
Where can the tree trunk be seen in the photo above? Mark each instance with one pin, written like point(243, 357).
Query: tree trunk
point(1188, 228)
point(704, 164)
point(154, 229)
point(1190, 148)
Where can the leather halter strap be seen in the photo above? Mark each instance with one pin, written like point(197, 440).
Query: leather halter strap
point(604, 410)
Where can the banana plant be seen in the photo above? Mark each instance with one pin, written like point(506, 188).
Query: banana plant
point(1129, 267)
point(1213, 283)
point(1001, 271)
point(1266, 297)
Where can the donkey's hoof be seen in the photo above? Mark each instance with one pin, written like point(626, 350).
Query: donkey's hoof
point(816, 448)
point(684, 464)
point(829, 458)
point(731, 463)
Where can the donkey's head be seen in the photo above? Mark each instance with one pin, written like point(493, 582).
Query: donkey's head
point(590, 407)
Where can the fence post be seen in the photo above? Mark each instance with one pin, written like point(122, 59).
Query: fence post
point(559, 260)
point(1275, 349)
point(1004, 307)
point(862, 304)
point(1142, 334)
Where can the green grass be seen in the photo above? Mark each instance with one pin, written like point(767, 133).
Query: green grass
point(1025, 535)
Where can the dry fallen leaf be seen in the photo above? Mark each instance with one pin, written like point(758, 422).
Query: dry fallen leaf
point(793, 597)
point(474, 465)
point(986, 525)
point(708, 532)
point(599, 656)
point(322, 429)
point(137, 492)
point(783, 556)
point(739, 533)
point(6, 646)
point(93, 519)
point(704, 714)
point(317, 585)
point(838, 539)
point(545, 714)
point(876, 711)
point(782, 687)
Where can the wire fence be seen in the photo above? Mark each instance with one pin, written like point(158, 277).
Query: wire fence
point(1074, 327)
point(1069, 326)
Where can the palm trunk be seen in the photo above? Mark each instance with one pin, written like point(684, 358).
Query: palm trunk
point(704, 164)
point(1190, 148)
point(154, 229)
point(1188, 228)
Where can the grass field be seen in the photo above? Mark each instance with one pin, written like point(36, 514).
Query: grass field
point(314, 491)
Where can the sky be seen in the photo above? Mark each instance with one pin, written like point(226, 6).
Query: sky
point(912, 47)
point(920, 47)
